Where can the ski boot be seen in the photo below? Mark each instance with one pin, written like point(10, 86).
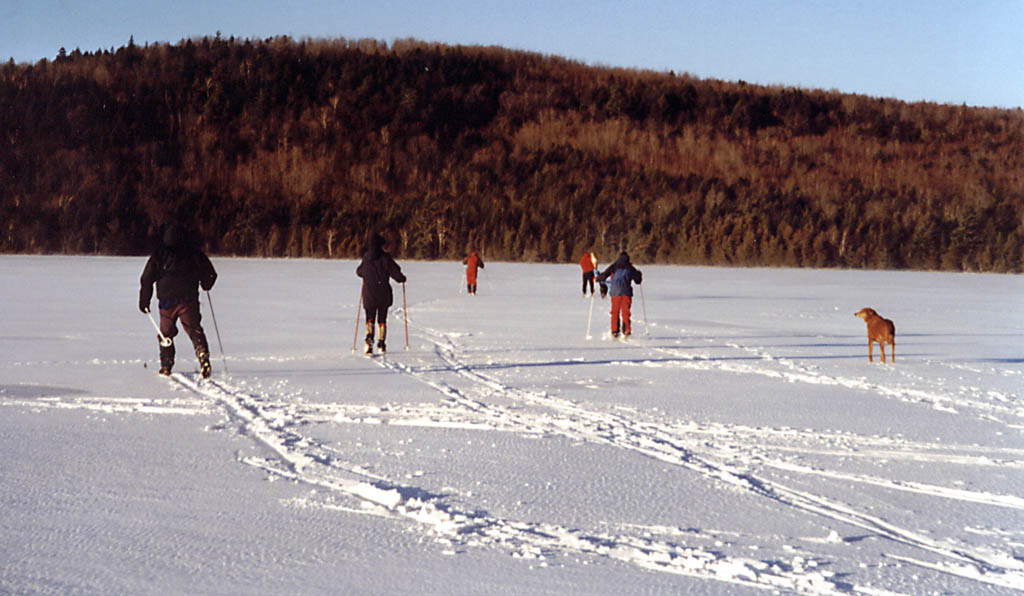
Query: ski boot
point(204, 364)
point(382, 334)
point(166, 359)
point(202, 353)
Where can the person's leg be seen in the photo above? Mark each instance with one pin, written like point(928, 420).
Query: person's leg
point(616, 307)
point(382, 329)
point(627, 304)
point(371, 318)
point(169, 328)
point(191, 322)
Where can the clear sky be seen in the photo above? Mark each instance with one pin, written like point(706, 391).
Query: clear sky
point(947, 51)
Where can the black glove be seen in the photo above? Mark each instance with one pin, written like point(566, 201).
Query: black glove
point(143, 307)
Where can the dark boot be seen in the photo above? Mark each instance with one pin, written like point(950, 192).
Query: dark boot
point(204, 364)
point(369, 337)
point(381, 336)
point(202, 354)
point(166, 359)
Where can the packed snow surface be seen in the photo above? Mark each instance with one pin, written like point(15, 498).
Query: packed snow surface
point(738, 443)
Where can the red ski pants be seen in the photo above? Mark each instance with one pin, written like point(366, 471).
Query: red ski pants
point(620, 307)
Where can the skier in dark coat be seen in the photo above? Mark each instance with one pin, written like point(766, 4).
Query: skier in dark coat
point(622, 274)
point(377, 269)
point(178, 269)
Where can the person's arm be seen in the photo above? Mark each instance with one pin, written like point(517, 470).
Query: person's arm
point(396, 272)
point(207, 274)
point(146, 282)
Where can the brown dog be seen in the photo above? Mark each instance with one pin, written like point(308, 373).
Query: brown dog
point(879, 330)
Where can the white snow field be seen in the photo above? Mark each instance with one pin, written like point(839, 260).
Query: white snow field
point(738, 443)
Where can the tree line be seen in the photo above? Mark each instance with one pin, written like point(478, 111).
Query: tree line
point(279, 147)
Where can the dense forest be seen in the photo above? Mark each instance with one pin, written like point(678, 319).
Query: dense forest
point(280, 147)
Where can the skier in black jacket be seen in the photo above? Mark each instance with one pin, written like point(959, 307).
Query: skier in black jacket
point(178, 269)
point(377, 269)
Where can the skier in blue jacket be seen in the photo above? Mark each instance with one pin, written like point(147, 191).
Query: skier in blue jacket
point(621, 275)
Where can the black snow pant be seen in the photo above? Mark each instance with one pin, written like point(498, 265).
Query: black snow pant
point(190, 317)
point(588, 278)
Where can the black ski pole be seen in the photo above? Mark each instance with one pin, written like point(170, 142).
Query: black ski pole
point(216, 329)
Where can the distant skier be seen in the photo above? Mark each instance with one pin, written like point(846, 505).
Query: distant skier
point(377, 269)
point(621, 275)
point(472, 262)
point(588, 263)
point(178, 269)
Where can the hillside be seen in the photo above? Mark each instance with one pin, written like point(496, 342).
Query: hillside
point(287, 148)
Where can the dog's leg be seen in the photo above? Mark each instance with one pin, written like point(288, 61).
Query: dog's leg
point(871, 348)
point(881, 348)
point(892, 350)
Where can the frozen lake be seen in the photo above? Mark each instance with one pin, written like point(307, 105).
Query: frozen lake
point(739, 441)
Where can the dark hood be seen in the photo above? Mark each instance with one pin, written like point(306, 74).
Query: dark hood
point(376, 246)
point(172, 236)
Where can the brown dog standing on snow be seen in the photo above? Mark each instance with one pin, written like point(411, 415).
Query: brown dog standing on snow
point(879, 330)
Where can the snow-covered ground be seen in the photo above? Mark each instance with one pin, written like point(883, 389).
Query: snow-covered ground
point(739, 441)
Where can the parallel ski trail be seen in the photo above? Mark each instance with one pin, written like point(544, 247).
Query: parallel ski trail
point(471, 397)
point(653, 440)
point(303, 461)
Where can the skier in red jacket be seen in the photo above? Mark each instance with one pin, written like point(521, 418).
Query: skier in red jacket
point(472, 262)
point(588, 263)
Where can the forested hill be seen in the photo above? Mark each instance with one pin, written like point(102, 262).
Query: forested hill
point(287, 148)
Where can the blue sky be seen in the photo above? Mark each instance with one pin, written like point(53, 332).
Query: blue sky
point(947, 51)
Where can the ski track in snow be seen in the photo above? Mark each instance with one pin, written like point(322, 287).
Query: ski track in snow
point(722, 453)
point(727, 454)
point(995, 406)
